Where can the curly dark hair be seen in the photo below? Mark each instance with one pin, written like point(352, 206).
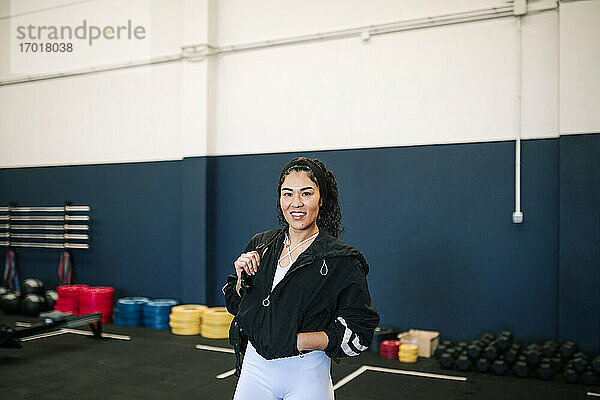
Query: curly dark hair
point(330, 214)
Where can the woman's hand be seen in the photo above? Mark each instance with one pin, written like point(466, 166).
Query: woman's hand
point(248, 262)
point(312, 341)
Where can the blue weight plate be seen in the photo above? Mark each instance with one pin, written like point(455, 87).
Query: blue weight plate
point(156, 313)
point(128, 316)
point(121, 322)
point(157, 326)
point(137, 299)
point(129, 305)
point(156, 321)
point(161, 303)
point(127, 311)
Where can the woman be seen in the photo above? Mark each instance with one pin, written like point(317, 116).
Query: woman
point(299, 295)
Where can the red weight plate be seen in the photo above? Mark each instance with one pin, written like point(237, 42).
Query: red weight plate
point(390, 345)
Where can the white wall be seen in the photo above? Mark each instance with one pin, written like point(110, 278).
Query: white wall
point(244, 21)
point(389, 92)
point(451, 84)
point(580, 67)
point(138, 114)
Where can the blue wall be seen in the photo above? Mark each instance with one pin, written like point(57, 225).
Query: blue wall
point(135, 229)
point(579, 250)
point(434, 222)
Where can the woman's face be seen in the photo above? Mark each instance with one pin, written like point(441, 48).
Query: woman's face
point(300, 200)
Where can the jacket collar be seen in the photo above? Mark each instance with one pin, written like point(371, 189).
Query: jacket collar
point(327, 245)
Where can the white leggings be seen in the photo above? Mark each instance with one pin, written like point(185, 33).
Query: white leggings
point(291, 378)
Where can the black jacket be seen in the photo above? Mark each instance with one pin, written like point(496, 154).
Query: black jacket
point(324, 290)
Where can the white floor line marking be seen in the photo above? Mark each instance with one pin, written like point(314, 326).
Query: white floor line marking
point(349, 377)
point(212, 348)
point(43, 335)
point(104, 335)
point(415, 373)
point(593, 394)
point(23, 324)
point(226, 374)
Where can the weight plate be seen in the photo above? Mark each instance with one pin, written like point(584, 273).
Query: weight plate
point(185, 332)
point(215, 335)
point(189, 309)
point(184, 325)
point(162, 303)
point(159, 321)
point(157, 311)
point(409, 347)
point(157, 326)
point(185, 318)
point(128, 317)
point(131, 303)
point(121, 322)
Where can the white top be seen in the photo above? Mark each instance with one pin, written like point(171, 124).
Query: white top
point(280, 273)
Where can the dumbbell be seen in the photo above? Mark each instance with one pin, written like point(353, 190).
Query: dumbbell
point(511, 355)
point(462, 346)
point(482, 365)
point(500, 367)
point(570, 374)
point(557, 363)
point(486, 339)
point(596, 364)
point(521, 368)
point(439, 351)
point(516, 345)
point(474, 350)
point(568, 349)
point(448, 343)
point(579, 362)
point(533, 352)
point(504, 340)
point(491, 351)
point(545, 370)
point(589, 377)
point(446, 360)
point(463, 362)
point(452, 351)
point(549, 348)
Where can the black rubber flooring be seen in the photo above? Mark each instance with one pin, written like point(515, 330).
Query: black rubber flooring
point(160, 365)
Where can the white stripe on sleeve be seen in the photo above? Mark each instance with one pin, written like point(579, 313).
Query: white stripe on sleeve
point(347, 334)
point(357, 344)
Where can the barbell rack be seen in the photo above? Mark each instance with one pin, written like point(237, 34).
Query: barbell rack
point(30, 223)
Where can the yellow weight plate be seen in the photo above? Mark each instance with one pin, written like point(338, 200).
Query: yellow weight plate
point(408, 360)
point(210, 335)
point(408, 347)
point(190, 308)
point(217, 316)
point(185, 318)
point(185, 332)
point(180, 325)
point(194, 310)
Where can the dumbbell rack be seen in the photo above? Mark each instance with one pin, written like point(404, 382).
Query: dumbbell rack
point(18, 223)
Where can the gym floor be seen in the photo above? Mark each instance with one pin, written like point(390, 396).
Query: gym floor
point(156, 364)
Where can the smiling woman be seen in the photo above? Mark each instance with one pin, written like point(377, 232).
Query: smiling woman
point(299, 294)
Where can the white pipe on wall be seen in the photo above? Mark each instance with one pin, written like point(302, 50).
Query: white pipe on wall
point(517, 216)
point(199, 52)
